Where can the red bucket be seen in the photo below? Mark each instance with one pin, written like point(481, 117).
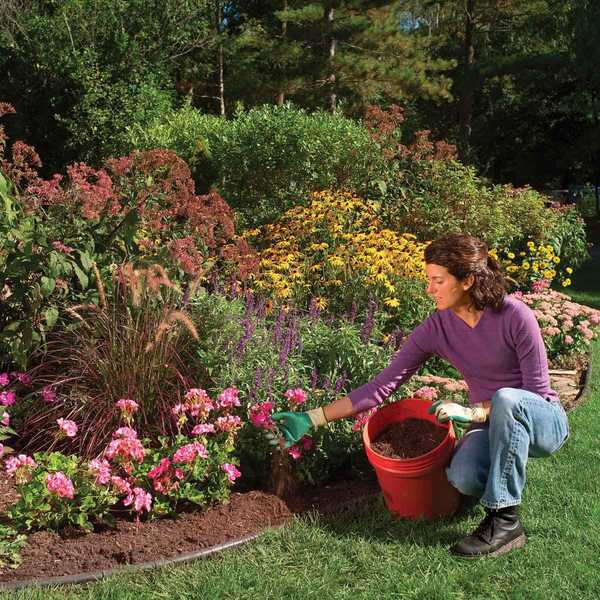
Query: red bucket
point(413, 487)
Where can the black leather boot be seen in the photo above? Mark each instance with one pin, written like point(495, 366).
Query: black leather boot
point(500, 532)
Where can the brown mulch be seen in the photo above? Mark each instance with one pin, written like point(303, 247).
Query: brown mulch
point(50, 554)
point(409, 438)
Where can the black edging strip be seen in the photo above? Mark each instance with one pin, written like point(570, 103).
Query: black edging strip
point(584, 390)
point(93, 576)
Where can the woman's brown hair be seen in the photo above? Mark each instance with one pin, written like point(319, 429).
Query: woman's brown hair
point(464, 255)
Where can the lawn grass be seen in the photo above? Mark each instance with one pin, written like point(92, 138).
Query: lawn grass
point(364, 553)
point(585, 288)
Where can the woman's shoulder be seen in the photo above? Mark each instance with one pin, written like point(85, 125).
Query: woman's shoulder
point(514, 308)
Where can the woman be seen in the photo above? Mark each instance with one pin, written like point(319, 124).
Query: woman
point(494, 340)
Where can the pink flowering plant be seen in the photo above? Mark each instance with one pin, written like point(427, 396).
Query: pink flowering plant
point(13, 386)
point(57, 491)
point(567, 328)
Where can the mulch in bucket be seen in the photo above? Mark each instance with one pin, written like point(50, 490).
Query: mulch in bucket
point(409, 438)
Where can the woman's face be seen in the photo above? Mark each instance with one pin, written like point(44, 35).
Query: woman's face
point(446, 290)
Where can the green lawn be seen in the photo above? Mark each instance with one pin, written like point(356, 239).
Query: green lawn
point(586, 280)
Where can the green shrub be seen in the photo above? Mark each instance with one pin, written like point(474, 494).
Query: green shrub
point(267, 159)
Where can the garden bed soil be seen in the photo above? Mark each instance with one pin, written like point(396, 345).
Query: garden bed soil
point(48, 554)
point(409, 438)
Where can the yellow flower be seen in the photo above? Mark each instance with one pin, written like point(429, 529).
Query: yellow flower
point(566, 282)
point(531, 245)
point(569, 270)
point(512, 269)
point(511, 255)
point(548, 274)
point(320, 303)
point(556, 259)
point(521, 253)
point(392, 302)
point(525, 265)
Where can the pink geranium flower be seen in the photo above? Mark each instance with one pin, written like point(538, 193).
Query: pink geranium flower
point(48, 394)
point(260, 415)
point(141, 500)
point(188, 453)
point(7, 398)
point(125, 432)
point(19, 465)
point(4, 379)
point(23, 378)
point(58, 483)
point(295, 451)
point(229, 397)
point(198, 403)
point(426, 393)
point(203, 428)
point(296, 396)
point(5, 419)
point(100, 468)
point(162, 476)
point(69, 428)
point(122, 486)
point(127, 406)
point(228, 423)
point(231, 470)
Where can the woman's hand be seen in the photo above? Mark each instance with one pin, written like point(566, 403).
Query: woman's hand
point(451, 411)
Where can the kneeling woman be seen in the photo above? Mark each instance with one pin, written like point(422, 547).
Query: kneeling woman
point(495, 342)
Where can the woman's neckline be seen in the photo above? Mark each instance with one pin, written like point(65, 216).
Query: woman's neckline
point(471, 327)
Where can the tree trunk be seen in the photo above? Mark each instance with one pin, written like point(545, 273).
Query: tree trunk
point(467, 99)
point(332, 49)
point(281, 94)
point(219, 20)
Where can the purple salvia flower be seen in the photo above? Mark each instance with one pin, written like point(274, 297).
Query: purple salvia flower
point(326, 385)
point(260, 308)
point(314, 377)
point(339, 384)
point(367, 328)
point(278, 326)
point(353, 312)
point(313, 310)
point(246, 336)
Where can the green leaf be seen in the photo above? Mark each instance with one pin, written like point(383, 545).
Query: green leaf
point(86, 260)
point(51, 316)
point(83, 278)
point(47, 285)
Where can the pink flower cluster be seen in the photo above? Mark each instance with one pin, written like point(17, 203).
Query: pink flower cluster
point(231, 470)
point(360, 419)
point(228, 423)
point(7, 398)
point(197, 403)
point(188, 453)
point(203, 428)
point(60, 247)
point(125, 447)
point(48, 394)
point(5, 419)
point(140, 499)
point(260, 415)
point(296, 450)
point(164, 475)
point(16, 464)
point(4, 380)
point(229, 398)
point(127, 406)
point(67, 427)
point(100, 468)
point(426, 393)
point(58, 483)
point(446, 383)
point(296, 396)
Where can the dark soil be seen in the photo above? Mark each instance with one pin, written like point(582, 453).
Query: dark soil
point(409, 438)
point(53, 555)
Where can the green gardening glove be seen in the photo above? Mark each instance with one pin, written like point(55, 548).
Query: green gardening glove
point(451, 411)
point(294, 425)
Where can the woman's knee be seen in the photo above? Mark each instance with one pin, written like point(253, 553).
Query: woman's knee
point(505, 402)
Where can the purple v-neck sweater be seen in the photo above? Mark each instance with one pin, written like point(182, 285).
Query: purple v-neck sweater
point(504, 349)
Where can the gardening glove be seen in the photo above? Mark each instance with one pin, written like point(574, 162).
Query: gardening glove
point(451, 411)
point(294, 425)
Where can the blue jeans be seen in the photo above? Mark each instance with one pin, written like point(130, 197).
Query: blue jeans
point(489, 461)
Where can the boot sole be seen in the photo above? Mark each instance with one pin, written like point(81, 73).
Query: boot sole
point(518, 542)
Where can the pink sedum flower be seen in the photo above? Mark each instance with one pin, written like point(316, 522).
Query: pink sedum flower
point(188, 453)
point(48, 394)
point(296, 396)
point(69, 428)
point(101, 469)
point(426, 393)
point(231, 470)
point(140, 499)
point(7, 398)
point(58, 483)
point(229, 398)
point(203, 428)
point(127, 406)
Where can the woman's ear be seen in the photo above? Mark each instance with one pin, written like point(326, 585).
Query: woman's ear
point(467, 282)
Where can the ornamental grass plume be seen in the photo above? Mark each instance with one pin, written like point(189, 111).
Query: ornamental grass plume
point(113, 355)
